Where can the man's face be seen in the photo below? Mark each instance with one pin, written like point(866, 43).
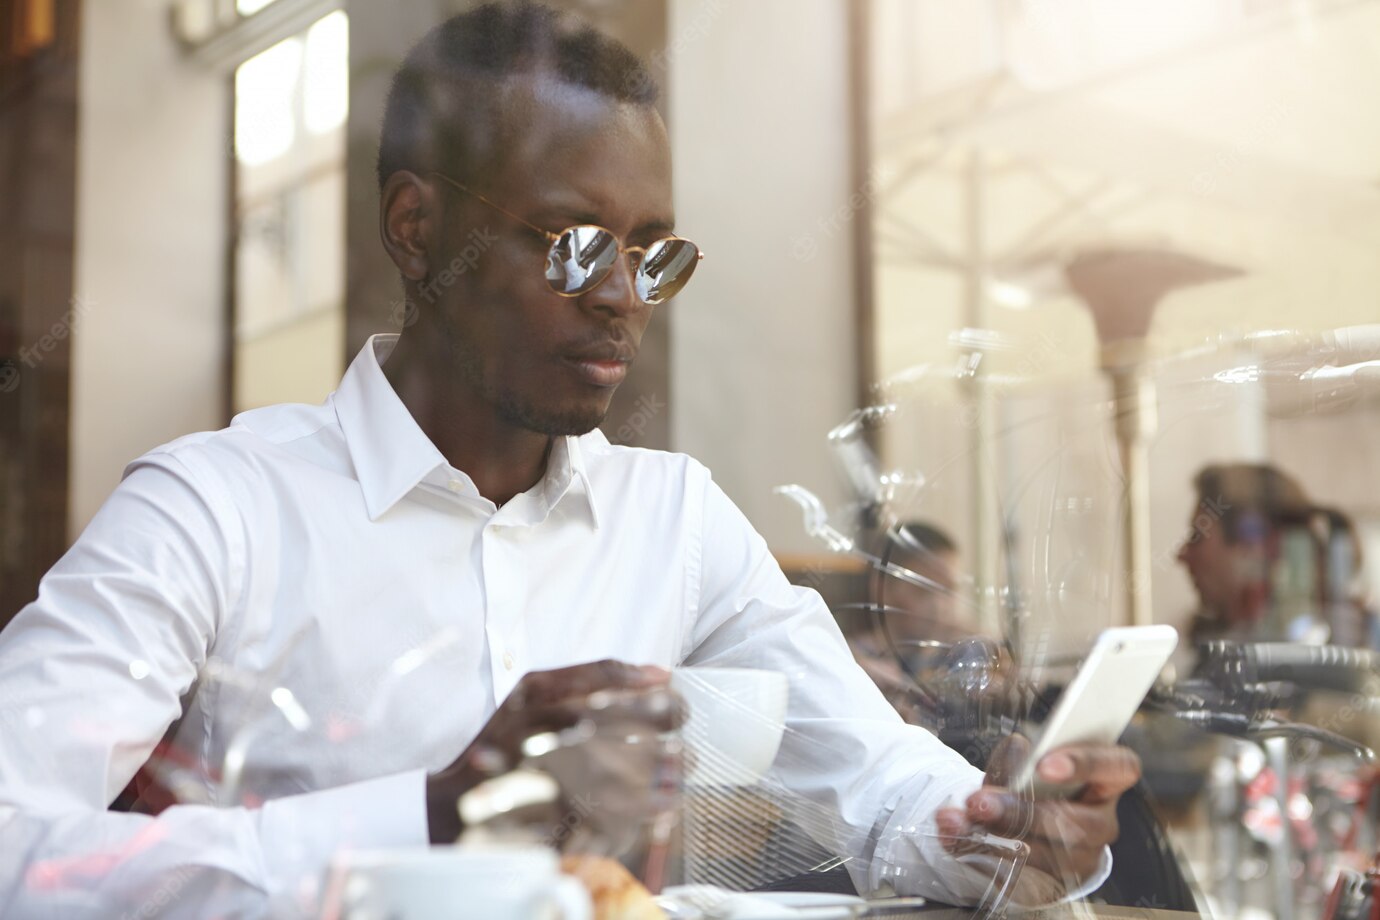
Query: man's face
point(544, 362)
point(929, 612)
point(1220, 571)
point(1207, 557)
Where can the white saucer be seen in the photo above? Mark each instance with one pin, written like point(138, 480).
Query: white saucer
point(763, 905)
point(814, 905)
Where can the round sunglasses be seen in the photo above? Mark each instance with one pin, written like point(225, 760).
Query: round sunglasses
point(581, 257)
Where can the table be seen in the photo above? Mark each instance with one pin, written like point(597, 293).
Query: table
point(1078, 911)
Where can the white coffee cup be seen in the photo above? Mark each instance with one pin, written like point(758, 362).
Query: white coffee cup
point(444, 883)
point(737, 716)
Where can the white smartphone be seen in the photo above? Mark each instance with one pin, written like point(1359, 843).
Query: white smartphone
point(1103, 697)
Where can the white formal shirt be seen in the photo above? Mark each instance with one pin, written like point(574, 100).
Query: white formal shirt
point(312, 609)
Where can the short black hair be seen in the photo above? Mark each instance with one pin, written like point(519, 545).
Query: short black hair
point(1250, 500)
point(440, 110)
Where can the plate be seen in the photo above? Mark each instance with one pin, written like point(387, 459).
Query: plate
point(707, 901)
point(812, 905)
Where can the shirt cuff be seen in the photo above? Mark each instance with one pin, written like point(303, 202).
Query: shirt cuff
point(300, 834)
point(1094, 881)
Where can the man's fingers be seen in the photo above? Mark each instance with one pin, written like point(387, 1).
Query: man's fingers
point(1066, 838)
point(656, 708)
point(620, 717)
point(1007, 759)
point(1061, 862)
point(1104, 771)
point(1072, 826)
point(584, 679)
point(533, 721)
point(610, 713)
point(620, 674)
point(952, 822)
point(1002, 812)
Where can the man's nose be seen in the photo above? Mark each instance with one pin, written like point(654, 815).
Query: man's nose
point(1182, 555)
point(617, 293)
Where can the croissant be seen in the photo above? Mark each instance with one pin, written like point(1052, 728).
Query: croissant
point(612, 888)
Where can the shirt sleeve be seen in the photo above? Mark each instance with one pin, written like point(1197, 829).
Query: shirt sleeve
point(868, 783)
point(92, 674)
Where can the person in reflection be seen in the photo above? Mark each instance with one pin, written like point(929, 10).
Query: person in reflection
point(934, 605)
point(913, 620)
point(346, 617)
point(1269, 564)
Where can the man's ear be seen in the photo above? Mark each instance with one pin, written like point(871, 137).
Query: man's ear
point(407, 208)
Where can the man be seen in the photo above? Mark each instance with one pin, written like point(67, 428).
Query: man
point(1268, 563)
point(911, 615)
point(935, 606)
point(342, 618)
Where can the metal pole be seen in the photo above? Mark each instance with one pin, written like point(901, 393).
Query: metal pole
point(986, 531)
point(1133, 395)
point(1281, 854)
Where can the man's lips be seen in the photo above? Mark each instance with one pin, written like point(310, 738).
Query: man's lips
point(600, 373)
point(605, 364)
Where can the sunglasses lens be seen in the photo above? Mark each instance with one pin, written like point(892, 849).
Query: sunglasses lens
point(666, 268)
point(580, 259)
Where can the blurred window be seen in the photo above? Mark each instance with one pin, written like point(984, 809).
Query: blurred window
point(291, 103)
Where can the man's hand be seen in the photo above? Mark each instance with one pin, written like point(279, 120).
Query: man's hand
point(623, 706)
point(1066, 836)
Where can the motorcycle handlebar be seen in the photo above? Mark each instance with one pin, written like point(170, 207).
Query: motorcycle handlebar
point(1235, 666)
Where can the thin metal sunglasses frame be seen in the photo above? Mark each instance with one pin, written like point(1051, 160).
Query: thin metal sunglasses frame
point(555, 238)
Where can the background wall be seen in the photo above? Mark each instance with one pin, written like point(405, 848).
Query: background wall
point(147, 356)
point(763, 350)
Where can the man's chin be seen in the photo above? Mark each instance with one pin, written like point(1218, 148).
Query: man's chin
point(558, 421)
point(572, 426)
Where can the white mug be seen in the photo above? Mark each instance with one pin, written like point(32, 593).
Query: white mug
point(449, 882)
point(737, 716)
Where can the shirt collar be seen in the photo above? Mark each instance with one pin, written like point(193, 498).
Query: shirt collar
point(568, 474)
point(391, 454)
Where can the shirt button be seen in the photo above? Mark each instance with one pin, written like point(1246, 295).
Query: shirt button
point(508, 660)
point(455, 485)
